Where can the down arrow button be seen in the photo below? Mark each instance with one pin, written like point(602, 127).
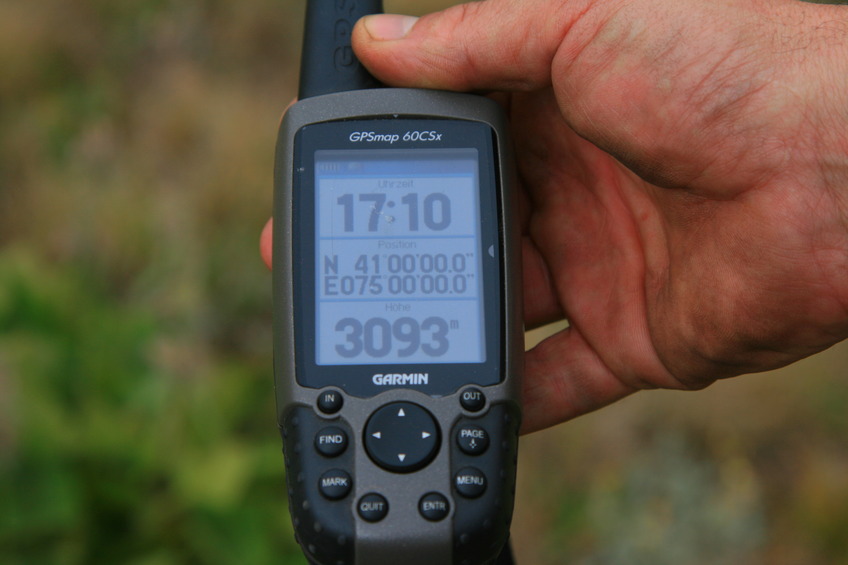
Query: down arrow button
point(401, 437)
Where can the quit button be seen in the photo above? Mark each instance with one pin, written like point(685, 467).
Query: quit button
point(373, 507)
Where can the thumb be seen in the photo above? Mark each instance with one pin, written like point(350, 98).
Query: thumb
point(491, 45)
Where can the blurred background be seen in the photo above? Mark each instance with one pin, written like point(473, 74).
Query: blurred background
point(136, 403)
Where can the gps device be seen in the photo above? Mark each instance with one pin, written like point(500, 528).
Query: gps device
point(398, 336)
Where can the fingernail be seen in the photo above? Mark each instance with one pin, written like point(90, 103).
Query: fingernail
point(388, 27)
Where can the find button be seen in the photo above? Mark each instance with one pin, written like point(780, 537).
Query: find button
point(331, 441)
point(372, 507)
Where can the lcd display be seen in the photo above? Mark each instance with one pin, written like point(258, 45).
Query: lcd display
point(398, 258)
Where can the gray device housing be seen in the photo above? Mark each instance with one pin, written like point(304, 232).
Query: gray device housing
point(403, 536)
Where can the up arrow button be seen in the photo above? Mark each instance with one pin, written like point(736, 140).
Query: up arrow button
point(401, 437)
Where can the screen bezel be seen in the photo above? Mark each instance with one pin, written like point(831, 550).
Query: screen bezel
point(443, 378)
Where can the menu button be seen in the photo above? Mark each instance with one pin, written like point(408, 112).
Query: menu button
point(470, 482)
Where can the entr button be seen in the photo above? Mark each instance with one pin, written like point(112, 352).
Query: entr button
point(434, 506)
point(331, 441)
point(470, 482)
point(372, 507)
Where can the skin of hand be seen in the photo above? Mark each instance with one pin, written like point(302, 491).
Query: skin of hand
point(683, 170)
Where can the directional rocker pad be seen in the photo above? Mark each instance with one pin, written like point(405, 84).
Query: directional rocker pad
point(401, 437)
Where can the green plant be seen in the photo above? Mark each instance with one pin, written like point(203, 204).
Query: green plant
point(106, 455)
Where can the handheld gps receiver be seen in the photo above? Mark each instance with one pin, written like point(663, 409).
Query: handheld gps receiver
point(398, 336)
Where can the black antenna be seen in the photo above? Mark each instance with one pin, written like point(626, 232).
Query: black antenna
point(327, 62)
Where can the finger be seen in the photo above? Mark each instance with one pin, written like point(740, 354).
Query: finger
point(266, 242)
point(564, 378)
point(493, 45)
point(266, 239)
point(541, 305)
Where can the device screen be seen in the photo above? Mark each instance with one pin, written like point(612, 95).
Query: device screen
point(398, 257)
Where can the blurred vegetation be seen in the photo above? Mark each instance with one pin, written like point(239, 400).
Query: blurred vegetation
point(136, 406)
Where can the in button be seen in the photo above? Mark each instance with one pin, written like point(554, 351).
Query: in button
point(330, 401)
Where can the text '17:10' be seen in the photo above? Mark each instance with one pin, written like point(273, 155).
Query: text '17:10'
point(433, 211)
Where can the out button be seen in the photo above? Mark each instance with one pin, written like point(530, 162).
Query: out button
point(472, 399)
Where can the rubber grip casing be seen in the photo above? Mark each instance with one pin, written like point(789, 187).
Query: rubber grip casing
point(326, 528)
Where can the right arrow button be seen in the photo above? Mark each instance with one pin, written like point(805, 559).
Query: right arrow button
point(401, 437)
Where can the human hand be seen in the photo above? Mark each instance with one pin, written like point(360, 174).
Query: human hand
point(684, 174)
